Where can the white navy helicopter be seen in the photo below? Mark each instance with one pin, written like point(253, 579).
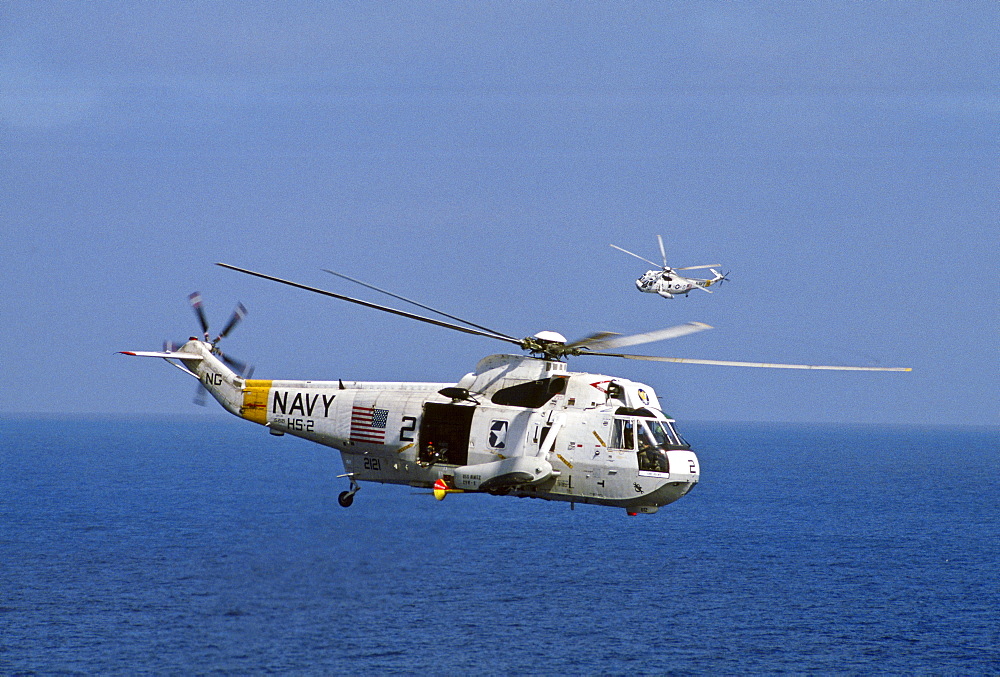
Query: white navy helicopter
point(518, 425)
point(667, 283)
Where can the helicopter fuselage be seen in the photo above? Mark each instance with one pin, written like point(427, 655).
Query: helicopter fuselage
point(518, 425)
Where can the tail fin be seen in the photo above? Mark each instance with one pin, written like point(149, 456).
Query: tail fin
point(166, 354)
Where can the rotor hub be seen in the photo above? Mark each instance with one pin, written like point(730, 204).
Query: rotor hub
point(550, 336)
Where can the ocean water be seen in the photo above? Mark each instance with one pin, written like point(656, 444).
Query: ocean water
point(137, 546)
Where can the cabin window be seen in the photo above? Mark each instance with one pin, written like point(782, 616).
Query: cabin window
point(532, 394)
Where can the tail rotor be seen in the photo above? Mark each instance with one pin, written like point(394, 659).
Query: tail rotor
point(242, 368)
point(722, 277)
point(239, 366)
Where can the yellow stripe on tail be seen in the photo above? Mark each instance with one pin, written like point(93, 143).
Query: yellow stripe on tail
point(255, 395)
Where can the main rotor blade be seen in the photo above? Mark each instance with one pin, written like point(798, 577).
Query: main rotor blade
point(605, 342)
point(367, 304)
point(662, 252)
point(637, 256)
point(726, 363)
point(592, 339)
point(419, 305)
point(711, 265)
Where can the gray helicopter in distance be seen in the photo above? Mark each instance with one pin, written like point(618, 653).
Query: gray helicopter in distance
point(665, 281)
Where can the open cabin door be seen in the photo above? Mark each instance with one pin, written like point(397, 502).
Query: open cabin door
point(444, 433)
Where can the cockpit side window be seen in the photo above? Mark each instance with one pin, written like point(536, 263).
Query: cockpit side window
point(623, 435)
point(645, 439)
point(653, 443)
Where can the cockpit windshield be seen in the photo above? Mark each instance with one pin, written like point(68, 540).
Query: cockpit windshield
point(653, 447)
point(651, 437)
point(663, 433)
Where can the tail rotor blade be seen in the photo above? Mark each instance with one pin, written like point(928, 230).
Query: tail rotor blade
point(242, 368)
point(195, 299)
point(238, 315)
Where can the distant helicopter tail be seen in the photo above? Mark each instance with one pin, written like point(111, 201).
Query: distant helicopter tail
point(718, 279)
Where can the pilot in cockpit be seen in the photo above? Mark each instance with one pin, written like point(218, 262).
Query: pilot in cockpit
point(647, 451)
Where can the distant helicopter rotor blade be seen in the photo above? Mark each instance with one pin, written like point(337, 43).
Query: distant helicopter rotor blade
point(711, 265)
point(663, 252)
point(606, 342)
point(419, 305)
point(195, 300)
point(637, 256)
point(368, 304)
point(765, 365)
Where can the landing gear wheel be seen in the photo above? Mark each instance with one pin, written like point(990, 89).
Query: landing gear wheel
point(346, 498)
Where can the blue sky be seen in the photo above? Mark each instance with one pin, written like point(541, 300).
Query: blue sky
point(841, 159)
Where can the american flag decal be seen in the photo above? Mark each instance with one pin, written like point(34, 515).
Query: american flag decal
point(368, 424)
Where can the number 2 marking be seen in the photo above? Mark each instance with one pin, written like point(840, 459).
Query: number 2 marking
point(409, 425)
